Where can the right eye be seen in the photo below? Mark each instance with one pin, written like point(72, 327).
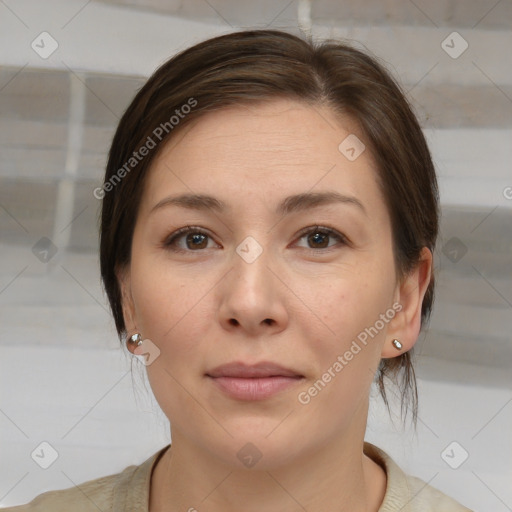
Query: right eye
point(194, 239)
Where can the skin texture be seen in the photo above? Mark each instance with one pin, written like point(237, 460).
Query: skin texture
point(300, 304)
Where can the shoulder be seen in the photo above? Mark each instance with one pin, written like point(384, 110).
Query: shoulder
point(408, 493)
point(428, 498)
point(88, 496)
point(108, 493)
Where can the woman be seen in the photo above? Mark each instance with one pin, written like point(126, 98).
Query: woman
point(270, 211)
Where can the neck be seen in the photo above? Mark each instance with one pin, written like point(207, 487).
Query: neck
point(337, 476)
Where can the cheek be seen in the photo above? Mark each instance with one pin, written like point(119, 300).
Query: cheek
point(349, 312)
point(166, 300)
point(177, 312)
point(176, 317)
point(345, 347)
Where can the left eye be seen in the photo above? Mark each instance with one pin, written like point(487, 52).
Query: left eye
point(319, 237)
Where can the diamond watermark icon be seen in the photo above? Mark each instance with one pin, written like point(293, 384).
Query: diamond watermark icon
point(44, 45)
point(249, 455)
point(351, 147)
point(249, 250)
point(44, 249)
point(454, 45)
point(454, 249)
point(146, 352)
point(44, 455)
point(454, 455)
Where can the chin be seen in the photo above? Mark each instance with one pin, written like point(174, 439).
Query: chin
point(257, 444)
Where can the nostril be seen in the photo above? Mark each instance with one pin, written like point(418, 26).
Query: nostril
point(268, 321)
point(233, 321)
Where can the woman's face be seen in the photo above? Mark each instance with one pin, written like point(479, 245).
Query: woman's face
point(274, 269)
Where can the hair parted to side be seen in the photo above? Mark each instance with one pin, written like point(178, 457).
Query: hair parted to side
point(261, 65)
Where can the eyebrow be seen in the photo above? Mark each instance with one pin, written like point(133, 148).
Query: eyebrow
point(290, 204)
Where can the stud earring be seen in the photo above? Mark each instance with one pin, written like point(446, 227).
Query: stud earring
point(397, 344)
point(135, 339)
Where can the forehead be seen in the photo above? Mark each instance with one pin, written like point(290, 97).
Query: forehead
point(268, 148)
point(284, 124)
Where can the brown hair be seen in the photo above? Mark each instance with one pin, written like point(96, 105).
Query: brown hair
point(259, 65)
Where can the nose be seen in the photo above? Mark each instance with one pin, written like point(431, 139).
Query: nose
point(253, 299)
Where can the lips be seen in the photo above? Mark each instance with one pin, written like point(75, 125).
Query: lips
point(259, 370)
point(253, 382)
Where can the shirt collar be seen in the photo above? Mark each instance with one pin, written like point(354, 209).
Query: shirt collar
point(133, 487)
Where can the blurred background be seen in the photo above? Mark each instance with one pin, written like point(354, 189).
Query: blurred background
point(68, 69)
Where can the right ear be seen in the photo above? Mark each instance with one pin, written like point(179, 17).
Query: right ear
point(123, 278)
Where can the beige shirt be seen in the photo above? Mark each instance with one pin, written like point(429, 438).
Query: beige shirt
point(129, 491)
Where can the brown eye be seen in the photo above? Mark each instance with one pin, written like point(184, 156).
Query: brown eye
point(321, 237)
point(187, 239)
point(319, 240)
point(196, 241)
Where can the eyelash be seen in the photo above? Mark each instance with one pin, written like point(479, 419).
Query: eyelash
point(171, 241)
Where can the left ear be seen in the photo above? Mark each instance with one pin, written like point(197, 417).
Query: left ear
point(406, 324)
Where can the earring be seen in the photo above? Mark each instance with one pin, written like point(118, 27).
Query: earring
point(397, 344)
point(135, 339)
